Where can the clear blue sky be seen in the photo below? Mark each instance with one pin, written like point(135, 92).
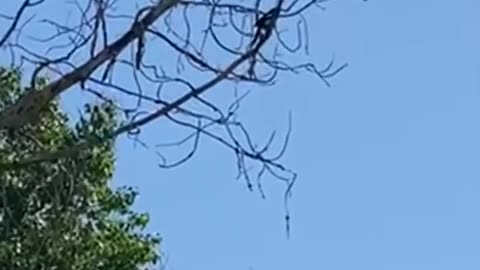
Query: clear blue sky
point(388, 157)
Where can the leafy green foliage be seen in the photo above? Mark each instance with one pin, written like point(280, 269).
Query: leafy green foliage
point(63, 214)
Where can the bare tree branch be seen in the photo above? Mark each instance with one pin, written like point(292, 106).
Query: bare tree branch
point(28, 108)
point(171, 53)
point(16, 19)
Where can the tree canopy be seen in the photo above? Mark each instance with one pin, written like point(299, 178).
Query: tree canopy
point(63, 214)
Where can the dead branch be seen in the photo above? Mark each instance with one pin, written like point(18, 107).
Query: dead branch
point(209, 42)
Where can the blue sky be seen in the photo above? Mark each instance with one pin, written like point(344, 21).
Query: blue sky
point(388, 157)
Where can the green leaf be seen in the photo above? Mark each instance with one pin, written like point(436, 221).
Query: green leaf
point(64, 214)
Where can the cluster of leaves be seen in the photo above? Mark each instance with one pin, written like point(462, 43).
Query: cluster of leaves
point(63, 214)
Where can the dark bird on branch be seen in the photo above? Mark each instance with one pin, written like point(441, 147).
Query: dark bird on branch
point(264, 26)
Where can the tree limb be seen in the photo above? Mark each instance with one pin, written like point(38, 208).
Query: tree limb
point(27, 109)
